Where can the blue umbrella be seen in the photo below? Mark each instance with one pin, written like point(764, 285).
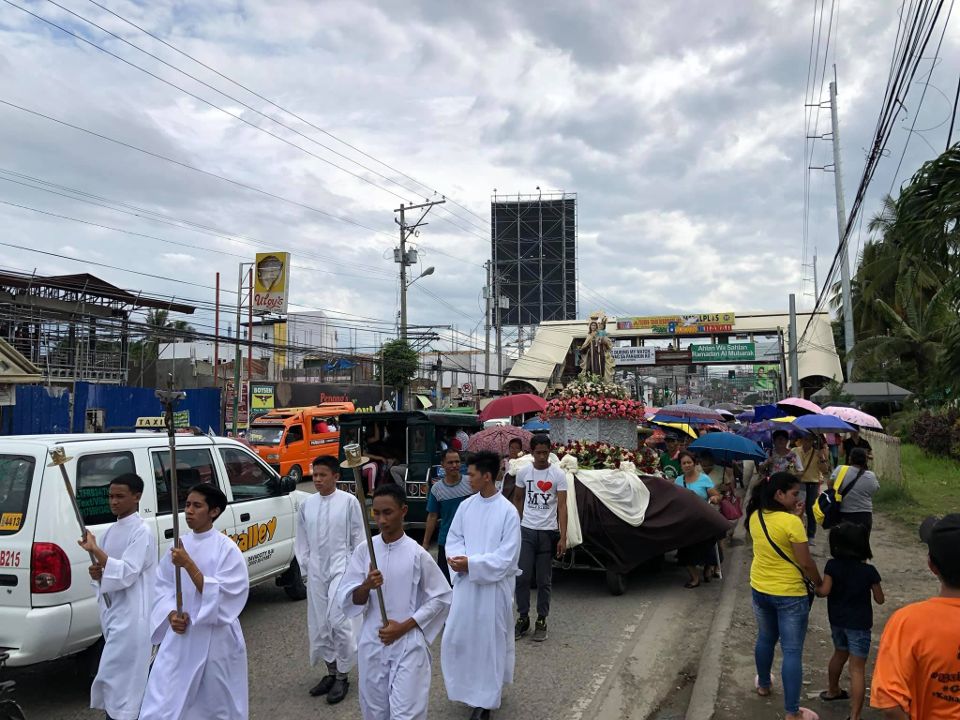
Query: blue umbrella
point(823, 423)
point(726, 447)
point(536, 425)
point(767, 412)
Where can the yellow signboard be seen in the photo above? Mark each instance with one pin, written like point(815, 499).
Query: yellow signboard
point(678, 322)
point(271, 280)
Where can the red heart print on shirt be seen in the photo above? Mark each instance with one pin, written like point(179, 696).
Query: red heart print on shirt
point(544, 485)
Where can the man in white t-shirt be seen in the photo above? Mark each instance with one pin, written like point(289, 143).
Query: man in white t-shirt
point(542, 494)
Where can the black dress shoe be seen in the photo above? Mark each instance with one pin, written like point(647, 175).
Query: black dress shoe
point(339, 691)
point(323, 687)
point(480, 714)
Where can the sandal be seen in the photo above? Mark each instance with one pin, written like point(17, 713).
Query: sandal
point(842, 695)
point(808, 714)
point(690, 584)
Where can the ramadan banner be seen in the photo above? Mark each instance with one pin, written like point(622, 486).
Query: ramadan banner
point(731, 352)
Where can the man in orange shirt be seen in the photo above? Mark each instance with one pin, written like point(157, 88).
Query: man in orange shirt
point(917, 676)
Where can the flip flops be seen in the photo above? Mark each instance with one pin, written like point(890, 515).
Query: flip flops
point(843, 695)
point(762, 692)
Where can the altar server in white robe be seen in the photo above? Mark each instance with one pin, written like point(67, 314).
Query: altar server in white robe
point(123, 578)
point(200, 672)
point(483, 550)
point(329, 527)
point(395, 665)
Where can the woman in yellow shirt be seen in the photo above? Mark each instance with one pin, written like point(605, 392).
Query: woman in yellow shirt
point(780, 601)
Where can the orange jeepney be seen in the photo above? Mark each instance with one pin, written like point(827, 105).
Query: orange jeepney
point(289, 439)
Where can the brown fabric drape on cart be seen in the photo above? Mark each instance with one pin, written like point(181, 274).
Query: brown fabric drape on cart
point(675, 518)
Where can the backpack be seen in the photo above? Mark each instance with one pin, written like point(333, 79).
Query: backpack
point(826, 509)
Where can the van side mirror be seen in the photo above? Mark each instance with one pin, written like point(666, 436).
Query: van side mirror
point(281, 486)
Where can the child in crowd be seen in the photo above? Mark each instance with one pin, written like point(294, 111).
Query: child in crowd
point(848, 582)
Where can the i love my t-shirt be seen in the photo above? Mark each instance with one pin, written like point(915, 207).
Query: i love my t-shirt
point(540, 488)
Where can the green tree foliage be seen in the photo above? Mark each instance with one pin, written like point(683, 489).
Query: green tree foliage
point(906, 291)
point(400, 362)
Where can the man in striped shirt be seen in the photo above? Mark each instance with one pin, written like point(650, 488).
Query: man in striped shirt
point(442, 503)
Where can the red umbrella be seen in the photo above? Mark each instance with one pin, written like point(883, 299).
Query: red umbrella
point(511, 405)
point(497, 439)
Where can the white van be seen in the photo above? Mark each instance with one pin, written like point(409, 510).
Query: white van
point(47, 605)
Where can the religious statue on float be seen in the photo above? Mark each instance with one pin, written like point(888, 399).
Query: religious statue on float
point(596, 352)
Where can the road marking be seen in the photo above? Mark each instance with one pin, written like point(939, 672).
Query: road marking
point(603, 671)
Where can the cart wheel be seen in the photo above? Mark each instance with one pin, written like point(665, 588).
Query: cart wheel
point(616, 583)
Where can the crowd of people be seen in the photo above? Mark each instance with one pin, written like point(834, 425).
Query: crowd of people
point(498, 530)
point(917, 673)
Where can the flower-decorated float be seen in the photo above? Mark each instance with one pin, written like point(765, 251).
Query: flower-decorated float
point(622, 512)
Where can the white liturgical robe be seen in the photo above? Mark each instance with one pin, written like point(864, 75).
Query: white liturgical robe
point(202, 674)
point(125, 598)
point(477, 651)
point(395, 679)
point(329, 527)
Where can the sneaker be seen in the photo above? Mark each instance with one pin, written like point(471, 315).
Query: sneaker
point(540, 630)
point(323, 687)
point(522, 627)
point(339, 690)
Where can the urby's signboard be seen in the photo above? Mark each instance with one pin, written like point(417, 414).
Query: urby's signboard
point(703, 323)
point(635, 355)
point(271, 282)
point(732, 352)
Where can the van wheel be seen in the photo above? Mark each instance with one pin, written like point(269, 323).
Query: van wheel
point(296, 474)
point(292, 582)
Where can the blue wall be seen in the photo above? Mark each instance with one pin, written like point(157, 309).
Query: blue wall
point(47, 410)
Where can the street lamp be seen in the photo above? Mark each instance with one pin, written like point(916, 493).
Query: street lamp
point(403, 299)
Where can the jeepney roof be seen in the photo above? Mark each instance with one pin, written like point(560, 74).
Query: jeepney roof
point(441, 419)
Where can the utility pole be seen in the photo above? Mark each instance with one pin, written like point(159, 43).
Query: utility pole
point(842, 228)
point(792, 349)
point(487, 292)
point(401, 255)
point(237, 356)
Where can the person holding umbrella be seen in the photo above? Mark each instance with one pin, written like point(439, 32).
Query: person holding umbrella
point(816, 464)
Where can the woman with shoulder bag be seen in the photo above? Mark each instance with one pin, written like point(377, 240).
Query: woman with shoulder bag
point(856, 503)
point(782, 576)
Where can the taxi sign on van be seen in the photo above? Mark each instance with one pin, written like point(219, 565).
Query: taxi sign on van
point(150, 423)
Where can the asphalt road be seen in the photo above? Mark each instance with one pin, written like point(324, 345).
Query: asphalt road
point(605, 657)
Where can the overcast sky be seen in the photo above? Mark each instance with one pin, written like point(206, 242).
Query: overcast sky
point(679, 125)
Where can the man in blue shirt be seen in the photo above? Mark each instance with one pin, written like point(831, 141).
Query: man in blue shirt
point(442, 503)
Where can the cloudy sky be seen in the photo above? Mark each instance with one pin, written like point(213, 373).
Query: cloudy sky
point(679, 125)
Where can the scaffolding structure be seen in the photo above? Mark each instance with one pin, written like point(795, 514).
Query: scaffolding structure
point(73, 327)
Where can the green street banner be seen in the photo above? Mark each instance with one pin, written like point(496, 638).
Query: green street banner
point(732, 352)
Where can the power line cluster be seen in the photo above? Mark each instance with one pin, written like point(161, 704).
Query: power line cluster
point(916, 27)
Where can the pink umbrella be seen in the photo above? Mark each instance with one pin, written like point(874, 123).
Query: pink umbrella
point(854, 417)
point(799, 406)
point(497, 439)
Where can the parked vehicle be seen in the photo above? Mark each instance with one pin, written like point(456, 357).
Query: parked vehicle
point(404, 447)
point(290, 439)
point(47, 605)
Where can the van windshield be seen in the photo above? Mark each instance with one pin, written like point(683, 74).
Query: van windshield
point(16, 476)
point(265, 434)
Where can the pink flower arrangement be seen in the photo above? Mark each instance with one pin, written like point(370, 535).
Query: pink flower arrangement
point(586, 407)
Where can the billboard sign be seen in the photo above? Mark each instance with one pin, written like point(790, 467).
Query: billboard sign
point(681, 324)
point(732, 352)
point(261, 399)
point(635, 355)
point(271, 282)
